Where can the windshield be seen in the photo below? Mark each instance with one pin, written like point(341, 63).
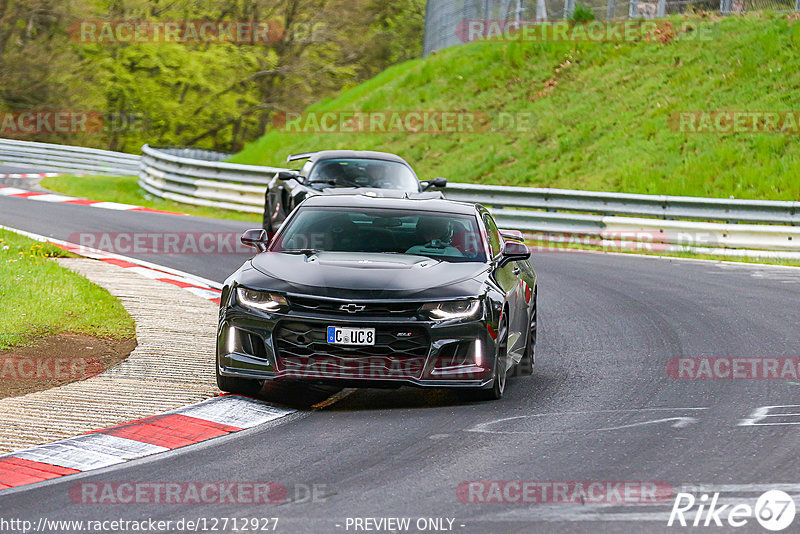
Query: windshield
point(446, 237)
point(375, 173)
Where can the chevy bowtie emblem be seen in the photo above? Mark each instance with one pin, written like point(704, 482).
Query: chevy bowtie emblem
point(352, 308)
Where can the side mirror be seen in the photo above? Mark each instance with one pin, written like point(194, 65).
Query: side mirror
point(436, 182)
point(288, 175)
point(514, 251)
point(256, 238)
point(514, 235)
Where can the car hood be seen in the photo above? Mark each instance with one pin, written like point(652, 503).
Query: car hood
point(366, 275)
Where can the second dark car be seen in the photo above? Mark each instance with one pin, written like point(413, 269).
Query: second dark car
point(343, 172)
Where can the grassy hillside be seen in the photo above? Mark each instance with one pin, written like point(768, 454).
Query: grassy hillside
point(601, 112)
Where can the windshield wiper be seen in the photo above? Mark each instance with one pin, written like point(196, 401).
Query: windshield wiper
point(304, 251)
point(336, 182)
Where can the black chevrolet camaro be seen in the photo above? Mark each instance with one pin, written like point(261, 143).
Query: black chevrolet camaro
point(380, 292)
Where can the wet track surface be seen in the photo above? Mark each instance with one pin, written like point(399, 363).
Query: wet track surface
point(601, 406)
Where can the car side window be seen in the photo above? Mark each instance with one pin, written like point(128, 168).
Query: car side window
point(306, 168)
point(493, 235)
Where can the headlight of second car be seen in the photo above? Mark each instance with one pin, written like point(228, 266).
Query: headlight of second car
point(261, 300)
point(453, 309)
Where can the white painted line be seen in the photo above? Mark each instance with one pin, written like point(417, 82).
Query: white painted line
point(695, 260)
point(124, 448)
point(53, 198)
point(73, 457)
point(236, 411)
point(98, 450)
point(6, 191)
point(563, 512)
point(738, 488)
point(30, 175)
point(113, 206)
point(148, 272)
point(762, 412)
point(50, 197)
point(100, 254)
point(203, 293)
point(678, 421)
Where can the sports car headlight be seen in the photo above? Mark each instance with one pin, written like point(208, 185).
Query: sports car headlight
point(260, 300)
point(454, 309)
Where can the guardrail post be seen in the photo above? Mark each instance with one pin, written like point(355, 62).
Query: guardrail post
point(612, 9)
point(541, 10)
point(569, 8)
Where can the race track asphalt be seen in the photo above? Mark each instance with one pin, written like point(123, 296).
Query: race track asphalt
point(600, 406)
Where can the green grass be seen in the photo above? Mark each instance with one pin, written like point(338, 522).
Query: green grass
point(125, 190)
point(604, 125)
point(41, 298)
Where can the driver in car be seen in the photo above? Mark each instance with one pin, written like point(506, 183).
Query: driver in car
point(377, 176)
point(435, 233)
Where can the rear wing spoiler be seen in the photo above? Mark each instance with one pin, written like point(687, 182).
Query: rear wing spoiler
point(295, 157)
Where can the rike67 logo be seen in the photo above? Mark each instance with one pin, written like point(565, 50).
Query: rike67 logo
point(774, 510)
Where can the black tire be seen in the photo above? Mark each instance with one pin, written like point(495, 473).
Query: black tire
point(240, 386)
point(528, 362)
point(500, 377)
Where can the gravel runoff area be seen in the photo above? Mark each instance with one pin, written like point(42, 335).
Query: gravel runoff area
point(172, 366)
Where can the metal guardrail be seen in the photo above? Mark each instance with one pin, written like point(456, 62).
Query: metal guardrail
point(687, 222)
point(651, 206)
point(65, 158)
point(199, 177)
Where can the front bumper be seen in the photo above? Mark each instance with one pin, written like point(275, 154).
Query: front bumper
point(292, 347)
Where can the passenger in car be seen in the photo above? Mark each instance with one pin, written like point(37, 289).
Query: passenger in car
point(434, 235)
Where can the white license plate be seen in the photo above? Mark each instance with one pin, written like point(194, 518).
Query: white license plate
point(338, 335)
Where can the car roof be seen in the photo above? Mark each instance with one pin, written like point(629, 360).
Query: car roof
point(349, 154)
point(364, 201)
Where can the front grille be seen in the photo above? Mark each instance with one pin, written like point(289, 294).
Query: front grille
point(302, 345)
point(333, 307)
